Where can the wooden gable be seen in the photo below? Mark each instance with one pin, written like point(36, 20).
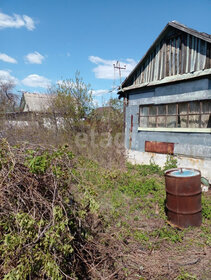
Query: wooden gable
point(178, 50)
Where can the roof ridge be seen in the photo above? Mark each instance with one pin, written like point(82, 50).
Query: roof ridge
point(191, 29)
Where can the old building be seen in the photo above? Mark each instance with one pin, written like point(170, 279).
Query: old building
point(168, 101)
point(35, 102)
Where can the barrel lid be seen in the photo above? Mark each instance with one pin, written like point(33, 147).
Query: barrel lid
point(182, 172)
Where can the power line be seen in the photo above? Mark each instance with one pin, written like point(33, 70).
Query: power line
point(119, 67)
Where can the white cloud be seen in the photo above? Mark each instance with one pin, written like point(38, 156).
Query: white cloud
point(105, 68)
point(16, 21)
point(29, 22)
point(6, 77)
point(6, 58)
point(35, 80)
point(34, 58)
point(99, 92)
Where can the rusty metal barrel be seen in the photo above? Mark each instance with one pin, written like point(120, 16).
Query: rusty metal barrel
point(183, 197)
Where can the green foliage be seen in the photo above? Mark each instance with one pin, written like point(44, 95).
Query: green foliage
point(39, 162)
point(169, 234)
point(146, 169)
point(171, 162)
point(206, 207)
point(34, 244)
point(116, 104)
point(140, 235)
point(185, 276)
point(133, 186)
point(73, 100)
point(123, 201)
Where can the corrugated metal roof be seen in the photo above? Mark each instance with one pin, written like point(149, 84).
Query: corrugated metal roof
point(35, 102)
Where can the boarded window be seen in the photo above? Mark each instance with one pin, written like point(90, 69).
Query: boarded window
point(194, 114)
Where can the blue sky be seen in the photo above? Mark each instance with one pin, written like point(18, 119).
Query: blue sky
point(45, 41)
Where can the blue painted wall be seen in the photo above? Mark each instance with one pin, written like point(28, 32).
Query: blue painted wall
point(183, 91)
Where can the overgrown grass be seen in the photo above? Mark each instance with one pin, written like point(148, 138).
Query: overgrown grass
point(54, 204)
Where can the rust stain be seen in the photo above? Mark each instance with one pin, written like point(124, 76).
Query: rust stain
point(159, 147)
point(131, 131)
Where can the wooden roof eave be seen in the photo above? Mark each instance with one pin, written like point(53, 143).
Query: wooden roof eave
point(176, 25)
point(166, 80)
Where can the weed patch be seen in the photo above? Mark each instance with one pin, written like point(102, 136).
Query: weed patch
point(63, 215)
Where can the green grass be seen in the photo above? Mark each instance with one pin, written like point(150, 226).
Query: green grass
point(129, 202)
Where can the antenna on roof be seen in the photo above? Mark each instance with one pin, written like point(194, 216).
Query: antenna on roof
point(118, 66)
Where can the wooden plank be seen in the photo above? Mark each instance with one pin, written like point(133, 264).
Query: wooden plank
point(172, 79)
point(156, 63)
point(139, 77)
point(147, 75)
point(204, 55)
point(182, 56)
point(161, 62)
point(195, 53)
point(187, 53)
point(138, 74)
point(178, 52)
point(207, 65)
point(149, 68)
point(191, 31)
point(170, 46)
point(152, 67)
point(167, 59)
point(159, 147)
point(142, 74)
point(164, 60)
point(192, 55)
point(184, 53)
point(198, 55)
point(173, 56)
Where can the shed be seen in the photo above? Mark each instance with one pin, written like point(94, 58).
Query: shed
point(167, 101)
point(35, 102)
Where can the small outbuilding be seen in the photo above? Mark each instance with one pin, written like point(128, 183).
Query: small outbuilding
point(167, 99)
point(35, 102)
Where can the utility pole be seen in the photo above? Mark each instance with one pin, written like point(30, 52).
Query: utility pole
point(119, 67)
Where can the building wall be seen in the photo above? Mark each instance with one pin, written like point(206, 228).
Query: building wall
point(192, 145)
point(174, 53)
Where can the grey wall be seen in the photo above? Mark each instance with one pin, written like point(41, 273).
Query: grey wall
point(184, 91)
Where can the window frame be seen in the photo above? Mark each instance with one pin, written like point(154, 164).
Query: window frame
point(177, 115)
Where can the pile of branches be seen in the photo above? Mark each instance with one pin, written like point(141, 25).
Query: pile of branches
point(44, 232)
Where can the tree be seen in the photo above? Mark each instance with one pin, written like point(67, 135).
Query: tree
point(8, 100)
point(108, 118)
point(116, 104)
point(72, 100)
